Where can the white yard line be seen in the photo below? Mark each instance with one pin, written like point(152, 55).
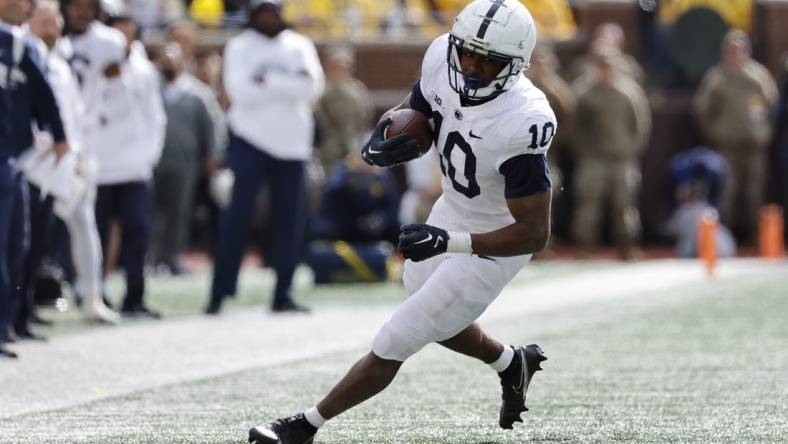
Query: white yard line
point(109, 362)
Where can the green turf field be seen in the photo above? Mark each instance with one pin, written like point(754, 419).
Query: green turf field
point(187, 295)
point(702, 362)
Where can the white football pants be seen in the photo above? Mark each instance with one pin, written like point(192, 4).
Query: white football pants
point(448, 293)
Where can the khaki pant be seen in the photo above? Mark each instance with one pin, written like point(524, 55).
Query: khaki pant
point(597, 184)
point(742, 196)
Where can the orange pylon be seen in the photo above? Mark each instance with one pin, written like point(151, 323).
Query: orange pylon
point(770, 232)
point(707, 241)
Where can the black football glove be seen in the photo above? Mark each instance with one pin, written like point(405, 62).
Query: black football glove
point(389, 152)
point(421, 241)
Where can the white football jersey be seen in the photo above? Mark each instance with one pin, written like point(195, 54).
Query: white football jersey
point(89, 54)
point(473, 142)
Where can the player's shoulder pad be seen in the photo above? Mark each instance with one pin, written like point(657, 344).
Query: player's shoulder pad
point(435, 57)
point(532, 130)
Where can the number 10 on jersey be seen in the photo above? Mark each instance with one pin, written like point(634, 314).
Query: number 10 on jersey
point(455, 140)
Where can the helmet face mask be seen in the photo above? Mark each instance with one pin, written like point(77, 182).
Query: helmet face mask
point(498, 30)
point(474, 87)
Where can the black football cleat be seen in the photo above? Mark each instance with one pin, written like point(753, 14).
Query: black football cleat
point(289, 306)
point(292, 430)
point(515, 381)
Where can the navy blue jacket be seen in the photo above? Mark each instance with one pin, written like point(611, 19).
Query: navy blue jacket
point(31, 99)
point(7, 141)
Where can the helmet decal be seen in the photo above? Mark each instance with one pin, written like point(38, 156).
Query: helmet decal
point(488, 18)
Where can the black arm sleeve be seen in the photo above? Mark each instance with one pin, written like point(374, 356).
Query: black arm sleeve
point(44, 104)
point(525, 175)
point(417, 100)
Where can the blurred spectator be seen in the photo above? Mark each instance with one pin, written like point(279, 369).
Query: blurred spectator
point(543, 72)
point(609, 38)
point(46, 23)
point(344, 111)
point(734, 106)
point(273, 77)
point(10, 44)
point(359, 204)
point(146, 13)
point(205, 65)
point(779, 149)
point(208, 72)
point(684, 224)
point(128, 141)
point(208, 68)
point(34, 110)
point(697, 177)
point(25, 94)
point(189, 136)
point(699, 164)
point(184, 33)
point(94, 52)
point(612, 126)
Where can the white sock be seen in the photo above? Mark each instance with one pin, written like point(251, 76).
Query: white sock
point(315, 418)
point(504, 360)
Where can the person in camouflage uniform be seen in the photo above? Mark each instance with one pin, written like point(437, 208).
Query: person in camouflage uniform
point(607, 37)
point(613, 123)
point(734, 106)
point(344, 112)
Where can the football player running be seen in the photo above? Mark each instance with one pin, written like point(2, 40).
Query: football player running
point(492, 130)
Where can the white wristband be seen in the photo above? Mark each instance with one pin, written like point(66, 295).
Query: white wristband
point(459, 242)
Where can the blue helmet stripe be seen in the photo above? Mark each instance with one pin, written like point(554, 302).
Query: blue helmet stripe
point(496, 4)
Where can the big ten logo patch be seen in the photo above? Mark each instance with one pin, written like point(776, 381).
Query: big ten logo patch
point(435, 98)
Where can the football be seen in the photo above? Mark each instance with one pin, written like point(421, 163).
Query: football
point(413, 124)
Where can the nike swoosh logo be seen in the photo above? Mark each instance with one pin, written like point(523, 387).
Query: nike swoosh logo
point(438, 241)
point(474, 135)
point(371, 151)
point(427, 239)
point(519, 389)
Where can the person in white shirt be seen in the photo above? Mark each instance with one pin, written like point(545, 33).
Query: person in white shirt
point(131, 150)
point(46, 23)
point(272, 76)
point(126, 121)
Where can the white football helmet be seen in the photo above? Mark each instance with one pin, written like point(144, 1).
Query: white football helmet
point(502, 30)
